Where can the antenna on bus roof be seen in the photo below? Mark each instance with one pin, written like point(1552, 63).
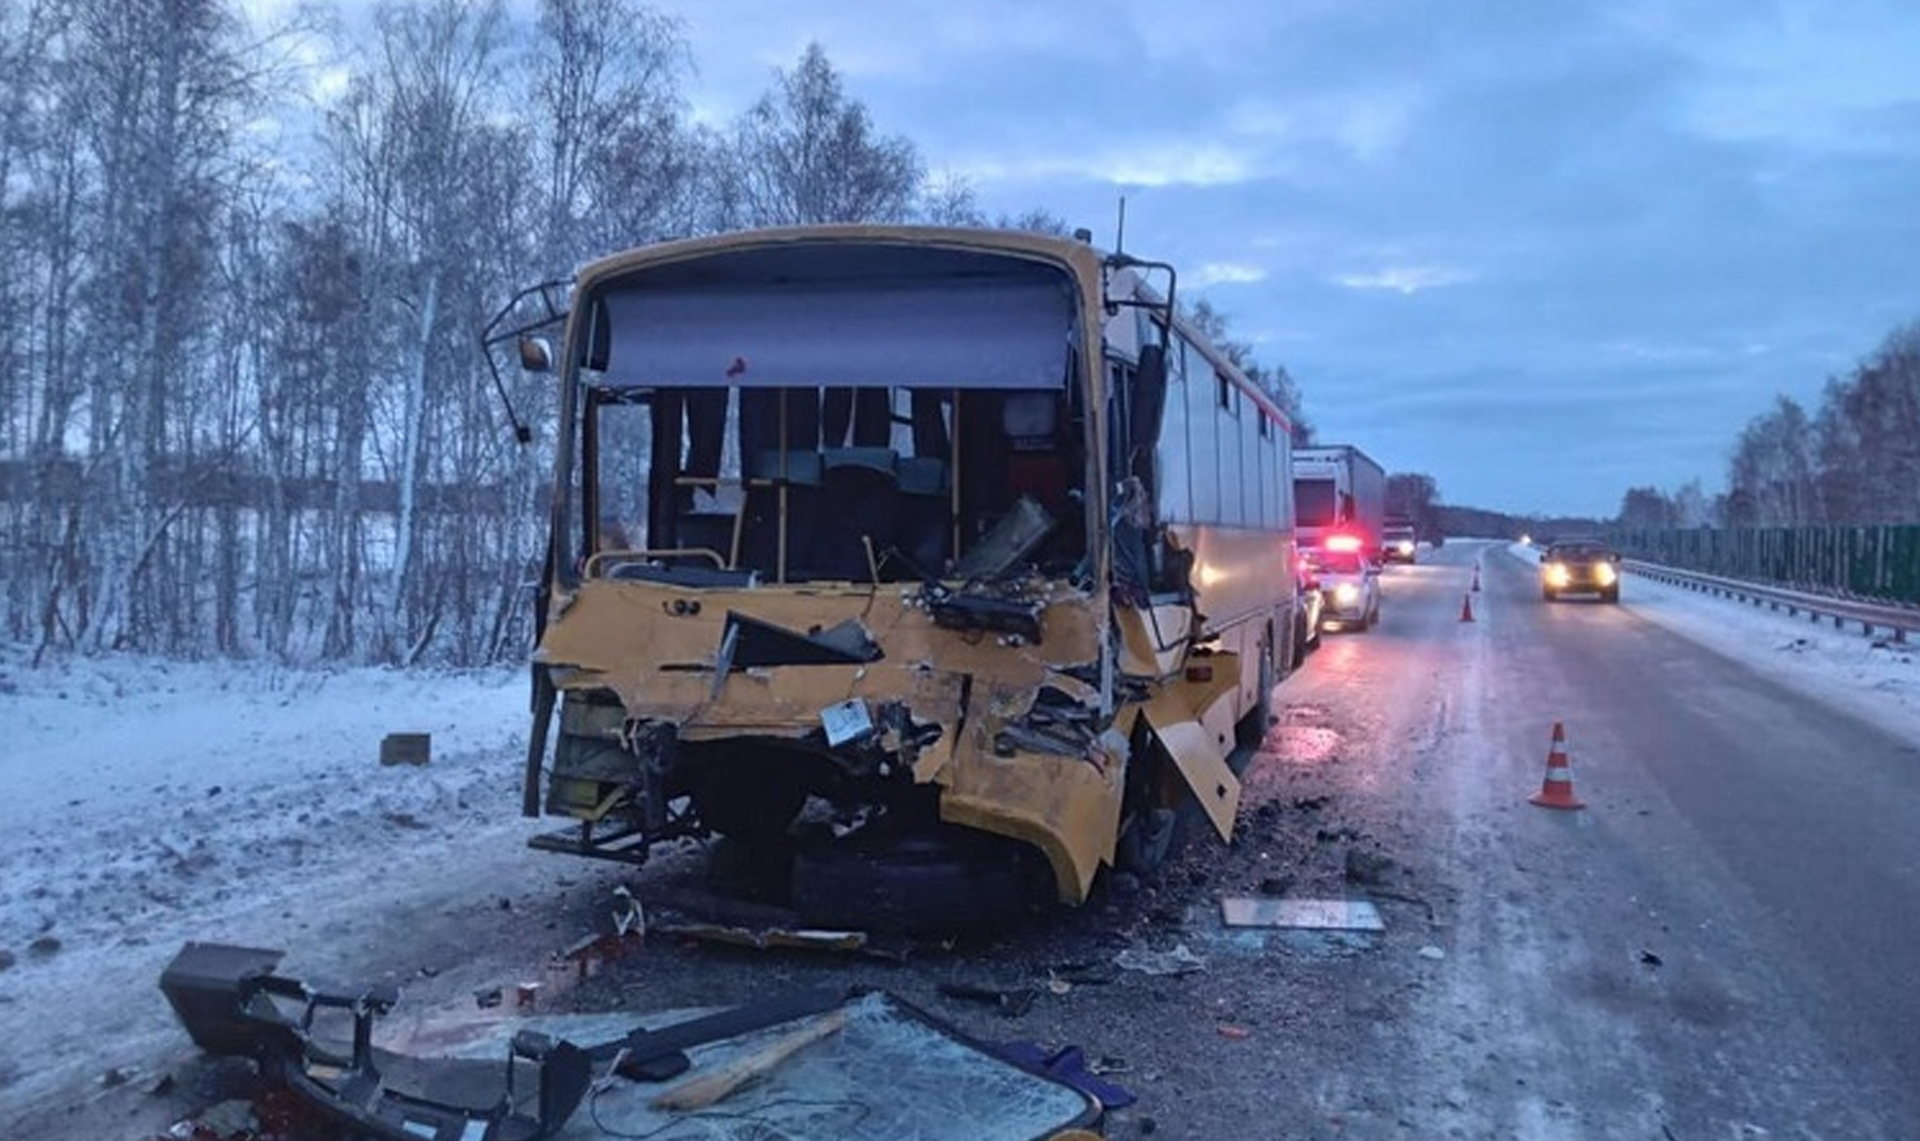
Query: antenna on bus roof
point(1120, 231)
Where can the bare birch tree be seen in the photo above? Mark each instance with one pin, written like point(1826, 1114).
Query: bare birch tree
point(806, 153)
point(1770, 479)
point(620, 166)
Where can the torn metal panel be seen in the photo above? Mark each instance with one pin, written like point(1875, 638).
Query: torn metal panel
point(1067, 808)
point(1012, 539)
point(1199, 758)
point(1155, 639)
point(750, 642)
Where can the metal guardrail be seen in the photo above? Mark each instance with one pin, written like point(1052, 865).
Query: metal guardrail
point(1872, 617)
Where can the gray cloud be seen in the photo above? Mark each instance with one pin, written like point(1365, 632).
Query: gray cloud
point(1541, 252)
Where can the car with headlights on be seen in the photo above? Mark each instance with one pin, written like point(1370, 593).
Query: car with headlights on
point(1580, 566)
point(1399, 543)
point(1349, 585)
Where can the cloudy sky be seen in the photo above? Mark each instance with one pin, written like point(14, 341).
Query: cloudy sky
point(1541, 250)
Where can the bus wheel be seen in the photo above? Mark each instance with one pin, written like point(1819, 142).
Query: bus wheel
point(1145, 842)
point(939, 883)
point(753, 797)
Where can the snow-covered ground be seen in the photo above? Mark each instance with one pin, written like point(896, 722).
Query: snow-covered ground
point(142, 803)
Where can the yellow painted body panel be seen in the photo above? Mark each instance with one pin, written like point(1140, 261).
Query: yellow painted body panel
point(658, 657)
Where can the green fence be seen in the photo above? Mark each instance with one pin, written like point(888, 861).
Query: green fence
point(1865, 562)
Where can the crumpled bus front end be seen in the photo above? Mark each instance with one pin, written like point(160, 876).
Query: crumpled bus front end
point(855, 561)
point(685, 711)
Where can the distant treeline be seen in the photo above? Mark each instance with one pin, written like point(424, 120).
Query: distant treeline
point(1854, 462)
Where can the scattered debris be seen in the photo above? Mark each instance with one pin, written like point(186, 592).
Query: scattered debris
point(629, 918)
point(227, 1119)
point(45, 947)
point(7, 959)
point(1315, 914)
point(1432, 953)
point(801, 938)
point(406, 748)
point(1364, 867)
point(708, 1088)
point(1178, 961)
point(1068, 1065)
point(1012, 1002)
point(1649, 958)
point(1086, 974)
point(1276, 885)
point(1228, 1030)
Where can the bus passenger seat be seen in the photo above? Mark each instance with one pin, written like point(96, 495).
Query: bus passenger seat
point(860, 503)
point(924, 529)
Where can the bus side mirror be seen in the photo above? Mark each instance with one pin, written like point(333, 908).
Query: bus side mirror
point(536, 354)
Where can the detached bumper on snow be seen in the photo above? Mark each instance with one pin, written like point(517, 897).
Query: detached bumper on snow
point(232, 1004)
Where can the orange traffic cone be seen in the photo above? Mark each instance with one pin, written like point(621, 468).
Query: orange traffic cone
point(1466, 608)
point(1556, 791)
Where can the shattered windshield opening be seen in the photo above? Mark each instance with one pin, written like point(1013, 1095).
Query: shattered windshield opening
point(904, 429)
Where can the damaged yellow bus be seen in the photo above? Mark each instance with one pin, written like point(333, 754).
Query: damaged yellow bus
point(928, 566)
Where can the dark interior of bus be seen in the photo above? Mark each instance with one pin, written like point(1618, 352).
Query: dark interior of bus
point(851, 484)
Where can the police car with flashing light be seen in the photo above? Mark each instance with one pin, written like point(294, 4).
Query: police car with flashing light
point(1349, 584)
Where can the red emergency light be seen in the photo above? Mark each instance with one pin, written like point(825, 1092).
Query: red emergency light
point(1343, 542)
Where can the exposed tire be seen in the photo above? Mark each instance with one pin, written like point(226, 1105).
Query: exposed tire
point(1253, 727)
point(760, 871)
point(943, 883)
point(1546, 595)
point(1149, 825)
point(1145, 842)
point(754, 797)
